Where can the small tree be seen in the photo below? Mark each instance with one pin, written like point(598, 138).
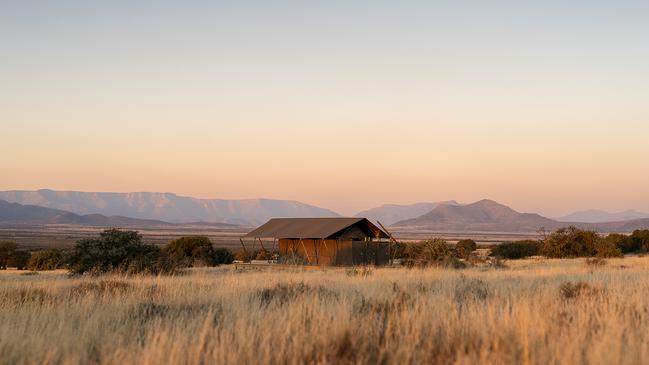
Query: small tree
point(117, 250)
point(465, 248)
point(429, 252)
point(223, 256)
point(6, 250)
point(516, 250)
point(46, 260)
point(570, 242)
point(623, 242)
point(191, 251)
point(640, 240)
point(18, 259)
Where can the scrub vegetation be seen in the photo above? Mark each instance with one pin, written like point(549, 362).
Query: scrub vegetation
point(536, 311)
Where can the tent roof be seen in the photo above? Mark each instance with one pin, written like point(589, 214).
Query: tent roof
point(314, 228)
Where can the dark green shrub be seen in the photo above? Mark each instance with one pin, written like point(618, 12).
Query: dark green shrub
point(191, 251)
point(6, 250)
point(118, 250)
point(516, 250)
point(623, 242)
point(223, 256)
point(18, 259)
point(46, 260)
point(430, 252)
point(465, 248)
point(571, 242)
point(640, 240)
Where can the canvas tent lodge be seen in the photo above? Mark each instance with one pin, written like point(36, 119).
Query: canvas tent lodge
point(326, 241)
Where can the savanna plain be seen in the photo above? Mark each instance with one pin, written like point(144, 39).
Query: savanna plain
point(533, 311)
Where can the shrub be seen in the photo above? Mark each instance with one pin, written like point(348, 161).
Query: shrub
point(623, 242)
point(6, 250)
point(640, 240)
point(223, 256)
point(46, 260)
point(18, 259)
point(191, 251)
point(595, 262)
point(607, 248)
point(571, 242)
point(516, 250)
point(465, 248)
point(117, 250)
point(430, 252)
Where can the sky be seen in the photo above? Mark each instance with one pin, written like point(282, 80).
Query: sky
point(540, 105)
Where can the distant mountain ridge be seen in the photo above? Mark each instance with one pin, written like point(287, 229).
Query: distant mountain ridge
point(482, 216)
point(167, 207)
point(389, 214)
point(15, 213)
point(601, 216)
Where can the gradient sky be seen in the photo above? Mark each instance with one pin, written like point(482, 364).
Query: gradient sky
point(541, 105)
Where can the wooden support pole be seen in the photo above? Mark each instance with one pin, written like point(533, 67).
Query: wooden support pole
point(262, 244)
point(244, 246)
point(305, 251)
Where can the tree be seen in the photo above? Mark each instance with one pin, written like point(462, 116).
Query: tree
point(640, 240)
point(465, 248)
point(46, 260)
point(191, 251)
point(516, 250)
point(18, 259)
point(6, 250)
point(570, 242)
point(429, 252)
point(223, 256)
point(623, 242)
point(117, 250)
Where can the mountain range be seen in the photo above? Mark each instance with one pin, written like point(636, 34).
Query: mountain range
point(600, 216)
point(155, 209)
point(389, 214)
point(482, 216)
point(15, 213)
point(167, 207)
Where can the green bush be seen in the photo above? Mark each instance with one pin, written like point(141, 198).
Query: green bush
point(6, 250)
point(465, 248)
point(118, 250)
point(623, 242)
point(46, 260)
point(516, 250)
point(607, 248)
point(223, 256)
point(430, 252)
point(191, 251)
point(18, 259)
point(570, 242)
point(640, 240)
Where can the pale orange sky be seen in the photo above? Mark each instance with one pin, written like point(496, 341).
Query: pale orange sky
point(544, 108)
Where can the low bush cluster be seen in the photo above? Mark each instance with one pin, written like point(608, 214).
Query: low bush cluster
point(47, 260)
point(195, 251)
point(10, 256)
point(516, 250)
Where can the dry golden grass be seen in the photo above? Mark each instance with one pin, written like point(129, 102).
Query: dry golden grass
point(533, 312)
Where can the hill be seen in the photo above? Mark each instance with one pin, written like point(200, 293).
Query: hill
point(14, 213)
point(167, 207)
point(481, 216)
point(601, 216)
point(389, 214)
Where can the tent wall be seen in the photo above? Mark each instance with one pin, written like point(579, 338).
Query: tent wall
point(336, 252)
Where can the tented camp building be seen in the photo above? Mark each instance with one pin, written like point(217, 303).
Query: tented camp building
point(326, 241)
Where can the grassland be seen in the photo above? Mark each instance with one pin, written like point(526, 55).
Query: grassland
point(532, 312)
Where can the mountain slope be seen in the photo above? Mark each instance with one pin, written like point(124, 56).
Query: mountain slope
point(601, 216)
point(389, 214)
point(167, 206)
point(484, 215)
point(31, 214)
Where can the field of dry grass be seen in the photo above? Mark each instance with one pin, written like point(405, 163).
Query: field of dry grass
point(538, 312)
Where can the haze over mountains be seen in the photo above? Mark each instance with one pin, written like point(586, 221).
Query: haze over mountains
point(151, 209)
point(600, 216)
point(167, 207)
point(15, 213)
point(389, 214)
point(482, 216)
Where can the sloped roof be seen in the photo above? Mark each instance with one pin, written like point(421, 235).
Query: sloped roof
point(314, 228)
